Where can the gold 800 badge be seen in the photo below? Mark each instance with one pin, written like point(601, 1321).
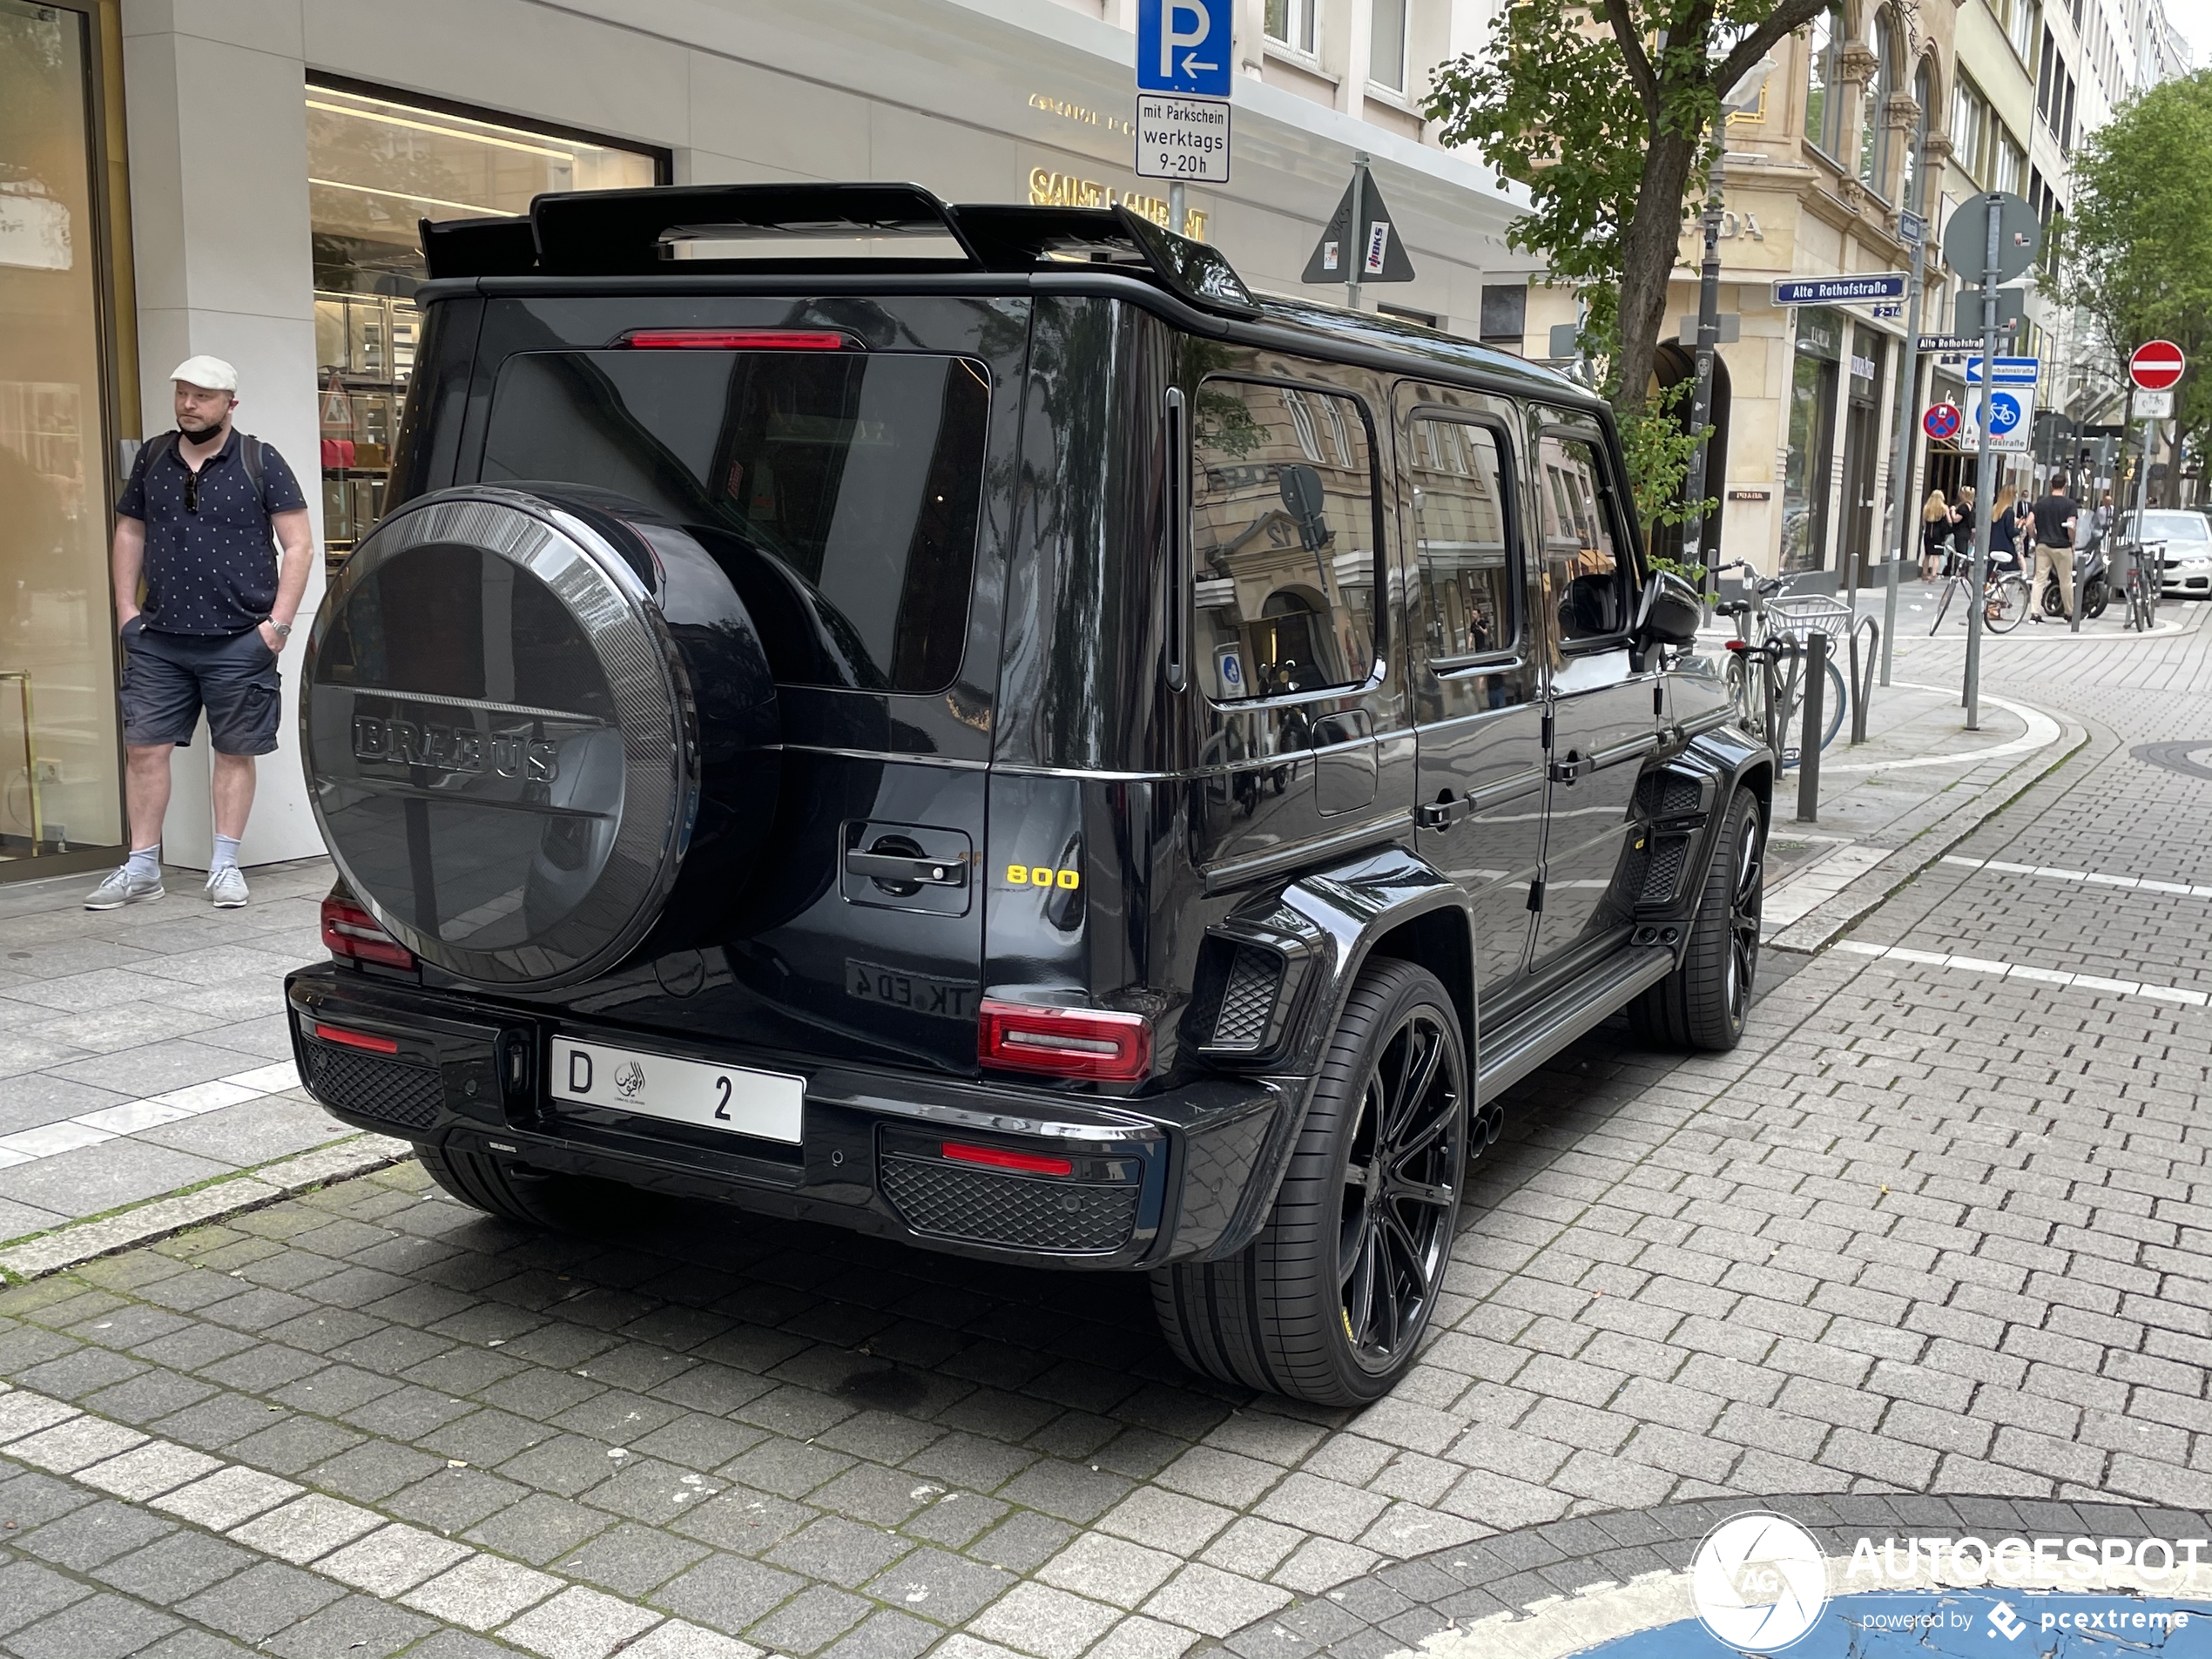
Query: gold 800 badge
point(1042, 875)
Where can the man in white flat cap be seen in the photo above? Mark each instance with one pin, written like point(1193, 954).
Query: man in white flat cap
point(201, 521)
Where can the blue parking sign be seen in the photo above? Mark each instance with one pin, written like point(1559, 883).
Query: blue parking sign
point(1183, 46)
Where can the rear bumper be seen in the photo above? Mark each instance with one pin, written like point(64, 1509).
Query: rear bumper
point(1188, 1173)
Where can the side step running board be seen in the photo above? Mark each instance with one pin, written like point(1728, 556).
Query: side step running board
point(1524, 1043)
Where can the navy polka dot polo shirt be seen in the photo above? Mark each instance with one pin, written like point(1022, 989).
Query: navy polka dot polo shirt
point(213, 569)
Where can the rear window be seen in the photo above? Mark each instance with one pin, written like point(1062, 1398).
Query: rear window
point(839, 491)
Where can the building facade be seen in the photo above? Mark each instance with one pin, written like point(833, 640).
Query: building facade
point(244, 178)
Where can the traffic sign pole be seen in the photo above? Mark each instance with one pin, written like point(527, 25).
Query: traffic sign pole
point(1357, 244)
point(1904, 495)
point(1983, 492)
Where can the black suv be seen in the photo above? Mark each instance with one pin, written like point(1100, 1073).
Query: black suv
point(1015, 745)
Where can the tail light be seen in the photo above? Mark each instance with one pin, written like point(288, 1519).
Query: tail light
point(741, 339)
point(351, 933)
point(999, 1157)
point(1065, 1042)
point(356, 1039)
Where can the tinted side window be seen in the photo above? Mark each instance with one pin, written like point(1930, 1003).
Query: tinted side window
point(1585, 569)
point(1283, 538)
point(840, 491)
point(1461, 534)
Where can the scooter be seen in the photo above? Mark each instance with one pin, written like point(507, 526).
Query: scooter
point(2092, 580)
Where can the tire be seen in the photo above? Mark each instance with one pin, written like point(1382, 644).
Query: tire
point(2095, 597)
point(1295, 1313)
point(538, 738)
point(485, 1184)
point(1704, 1003)
point(1838, 695)
point(2009, 606)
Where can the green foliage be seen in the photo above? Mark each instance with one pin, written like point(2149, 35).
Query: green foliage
point(2137, 249)
point(1658, 447)
point(1608, 129)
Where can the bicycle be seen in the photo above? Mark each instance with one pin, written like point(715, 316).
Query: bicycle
point(2005, 598)
point(2146, 576)
point(1766, 659)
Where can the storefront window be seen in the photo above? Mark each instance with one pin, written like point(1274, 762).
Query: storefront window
point(59, 782)
point(1812, 421)
point(375, 166)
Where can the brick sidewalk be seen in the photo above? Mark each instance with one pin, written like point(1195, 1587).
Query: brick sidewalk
point(143, 1050)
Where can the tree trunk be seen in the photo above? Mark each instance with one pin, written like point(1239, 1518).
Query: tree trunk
point(1648, 252)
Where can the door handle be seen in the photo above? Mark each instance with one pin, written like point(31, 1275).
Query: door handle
point(897, 867)
point(1575, 763)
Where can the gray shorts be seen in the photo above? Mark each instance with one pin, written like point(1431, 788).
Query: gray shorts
point(168, 679)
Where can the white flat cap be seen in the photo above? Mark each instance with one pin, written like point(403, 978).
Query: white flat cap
point(212, 373)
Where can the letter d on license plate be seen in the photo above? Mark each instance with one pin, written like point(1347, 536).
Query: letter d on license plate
point(729, 1098)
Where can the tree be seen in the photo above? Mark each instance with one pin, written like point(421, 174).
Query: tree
point(1602, 111)
point(2135, 252)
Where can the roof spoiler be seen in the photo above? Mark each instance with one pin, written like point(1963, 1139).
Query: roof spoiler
point(633, 233)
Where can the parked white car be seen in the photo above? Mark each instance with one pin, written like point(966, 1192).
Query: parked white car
point(2188, 550)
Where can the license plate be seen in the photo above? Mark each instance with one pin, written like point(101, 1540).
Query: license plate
point(730, 1098)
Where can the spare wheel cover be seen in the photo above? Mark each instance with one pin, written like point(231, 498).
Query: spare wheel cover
point(499, 738)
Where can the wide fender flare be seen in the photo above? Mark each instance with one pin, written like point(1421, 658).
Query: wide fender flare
point(1734, 761)
point(1338, 916)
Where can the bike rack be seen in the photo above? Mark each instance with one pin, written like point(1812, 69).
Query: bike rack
point(1862, 683)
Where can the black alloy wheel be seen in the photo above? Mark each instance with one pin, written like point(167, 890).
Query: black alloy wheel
point(1746, 902)
point(1401, 1191)
point(1330, 1302)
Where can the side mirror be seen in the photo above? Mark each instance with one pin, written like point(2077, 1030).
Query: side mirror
point(1673, 611)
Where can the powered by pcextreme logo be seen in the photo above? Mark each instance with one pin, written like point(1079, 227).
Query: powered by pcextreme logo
point(1760, 1583)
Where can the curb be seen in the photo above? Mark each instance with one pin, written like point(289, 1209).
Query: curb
point(1813, 933)
point(73, 1245)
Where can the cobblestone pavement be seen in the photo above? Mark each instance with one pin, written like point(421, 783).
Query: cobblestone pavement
point(143, 1050)
point(1935, 1228)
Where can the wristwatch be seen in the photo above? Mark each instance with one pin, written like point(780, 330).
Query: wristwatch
point(283, 628)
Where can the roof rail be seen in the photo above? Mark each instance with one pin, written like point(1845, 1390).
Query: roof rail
point(628, 232)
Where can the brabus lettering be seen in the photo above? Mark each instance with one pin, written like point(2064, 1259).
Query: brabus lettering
point(456, 748)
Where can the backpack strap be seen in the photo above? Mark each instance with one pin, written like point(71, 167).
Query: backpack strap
point(249, 452)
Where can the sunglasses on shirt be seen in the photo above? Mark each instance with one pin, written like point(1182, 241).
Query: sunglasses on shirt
point(192, 492)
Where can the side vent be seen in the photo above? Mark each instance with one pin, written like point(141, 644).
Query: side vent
point(1669, 794)
point(1247, 1002)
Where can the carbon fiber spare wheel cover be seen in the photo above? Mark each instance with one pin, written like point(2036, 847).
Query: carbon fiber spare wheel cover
point(500, 729)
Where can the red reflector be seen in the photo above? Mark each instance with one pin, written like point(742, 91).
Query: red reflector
point(1000, 1158)
point(739, 339)
point(351, 932)
point(1067, 1043)
point(357, 1039)
point(1739, 644)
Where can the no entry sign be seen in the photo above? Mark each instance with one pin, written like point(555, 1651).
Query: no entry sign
point(2156, 367)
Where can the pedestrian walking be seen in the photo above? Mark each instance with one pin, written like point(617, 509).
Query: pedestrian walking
point(2005, 531)
point(201, 521)
point(1935, 531)
point(1962, 532)
point(2054, 520)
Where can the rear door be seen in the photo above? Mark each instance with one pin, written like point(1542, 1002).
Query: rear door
point(1606, 713)
point(844, 461)
point(1476, 681)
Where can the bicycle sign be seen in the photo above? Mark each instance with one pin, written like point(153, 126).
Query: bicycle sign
point(1941, 421)
point(2011, 419)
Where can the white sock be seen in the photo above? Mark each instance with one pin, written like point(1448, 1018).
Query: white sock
point(225, 854)
point(145, 861)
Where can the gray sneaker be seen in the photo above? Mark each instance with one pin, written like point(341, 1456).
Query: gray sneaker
point(122, 888)
point(226, 888)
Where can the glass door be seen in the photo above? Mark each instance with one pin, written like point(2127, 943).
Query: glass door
point(60, 780)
